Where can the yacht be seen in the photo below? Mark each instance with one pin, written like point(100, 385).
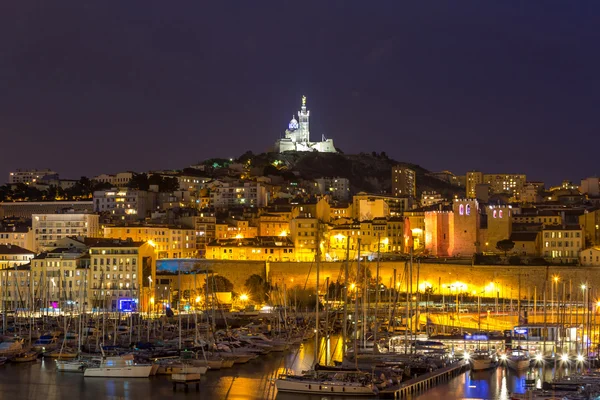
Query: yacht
point(119, 367)
point(346, 384)
point(517, 359)
point(482, 360)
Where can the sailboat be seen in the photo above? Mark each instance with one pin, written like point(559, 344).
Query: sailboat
point(347, 383)
point(119, 367)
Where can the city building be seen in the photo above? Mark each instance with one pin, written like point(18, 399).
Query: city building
point(590, 186)
point(297, 136)
point(124, 203)
point(531, 192)
point(18, 235)
point(250, 194)
point(30, 176)
point(48, 228)
point(168, 241)
point(15, 282)
point(590, 222)
point(369, 206)
point(120, 179)
point(25, 209)
point(59, 278)
point(431, 198)
point(527, 243)
point(337, 188)
point(511, 184)
point(590, 257)
point(562, 243)
point(306, 235)
point(260, 248)
point(11, 256)
point(122, 275)
point(274, 224)
point(473, 179)
point(404, 181)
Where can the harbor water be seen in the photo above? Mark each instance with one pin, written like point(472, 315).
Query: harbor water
point(253, 380)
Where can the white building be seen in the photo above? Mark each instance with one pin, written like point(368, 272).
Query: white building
point(297, 136)
point(338, 188)
point(124, 203)
point(47, 228)
point(29, 176)
point(251, 194)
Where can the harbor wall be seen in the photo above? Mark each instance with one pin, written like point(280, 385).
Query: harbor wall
point(487, 280)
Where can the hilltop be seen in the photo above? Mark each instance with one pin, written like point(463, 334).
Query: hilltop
point(368, 172)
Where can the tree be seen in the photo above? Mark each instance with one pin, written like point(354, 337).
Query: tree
point(218, 283)
point(139, 181)
point(505, 245)
point(257, 288)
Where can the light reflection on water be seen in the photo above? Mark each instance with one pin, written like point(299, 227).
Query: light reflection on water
point(493, 384)
point(253, 380)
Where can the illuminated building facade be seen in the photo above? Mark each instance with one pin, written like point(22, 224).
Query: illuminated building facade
point(562, 242)
point(260, 248)
point(337, 188)
point(249, 194)
point(404, 181)
point(11, 256)
point(297, 136)
point(473, 178)
point(122, 275)
point(167, 241)
point(30, 176)
point(124, 203)
point(48, 228)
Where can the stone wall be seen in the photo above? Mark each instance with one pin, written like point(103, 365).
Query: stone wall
point(477, 278)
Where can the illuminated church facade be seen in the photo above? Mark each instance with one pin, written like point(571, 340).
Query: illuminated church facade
point(297, 136)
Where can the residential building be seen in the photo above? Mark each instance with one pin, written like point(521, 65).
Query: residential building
point(404, 182)
point(527, 244)
point(431, 198)
point(473, 179)
point(537, 216)
point(305, 232)
point(18, 235)
point(15, 282)
point(511, 184)
point(11, 255)
point(47, 228)
point(168, 241)
point(250, 194)
point(590, 222)
point(338, 188)
point(25, 209)
point(368, 206)
point(59, 278)
point(590, 186)
point(531, 192)
point(562, 243)
point(29, 176)
point(260, 248)
point(274, 224)
point(125, 203)
point(120, 179)
point(590, 257)
point(122, 275)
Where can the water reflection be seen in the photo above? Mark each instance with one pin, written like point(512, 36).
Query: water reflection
point(493, 384)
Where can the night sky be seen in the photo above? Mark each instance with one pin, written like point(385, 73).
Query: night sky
point(103, 86)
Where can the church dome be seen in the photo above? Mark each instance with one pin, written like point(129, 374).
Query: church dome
point(293, 125)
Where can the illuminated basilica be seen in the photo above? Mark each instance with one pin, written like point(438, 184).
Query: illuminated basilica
point(297, 136)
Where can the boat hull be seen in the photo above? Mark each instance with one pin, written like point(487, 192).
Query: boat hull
point(134, 371)
point(482, 364)
point(312, 387)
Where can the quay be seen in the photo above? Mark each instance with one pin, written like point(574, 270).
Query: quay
point(424, 382)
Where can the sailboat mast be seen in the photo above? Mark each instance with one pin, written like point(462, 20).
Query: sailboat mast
point(345, 322)
point(317, 308)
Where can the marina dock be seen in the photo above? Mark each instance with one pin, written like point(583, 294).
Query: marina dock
point(424, 382)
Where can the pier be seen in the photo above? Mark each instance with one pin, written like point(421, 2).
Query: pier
point(421, 383)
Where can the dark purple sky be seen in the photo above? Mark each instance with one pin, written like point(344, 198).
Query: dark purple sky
point(102, 86)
